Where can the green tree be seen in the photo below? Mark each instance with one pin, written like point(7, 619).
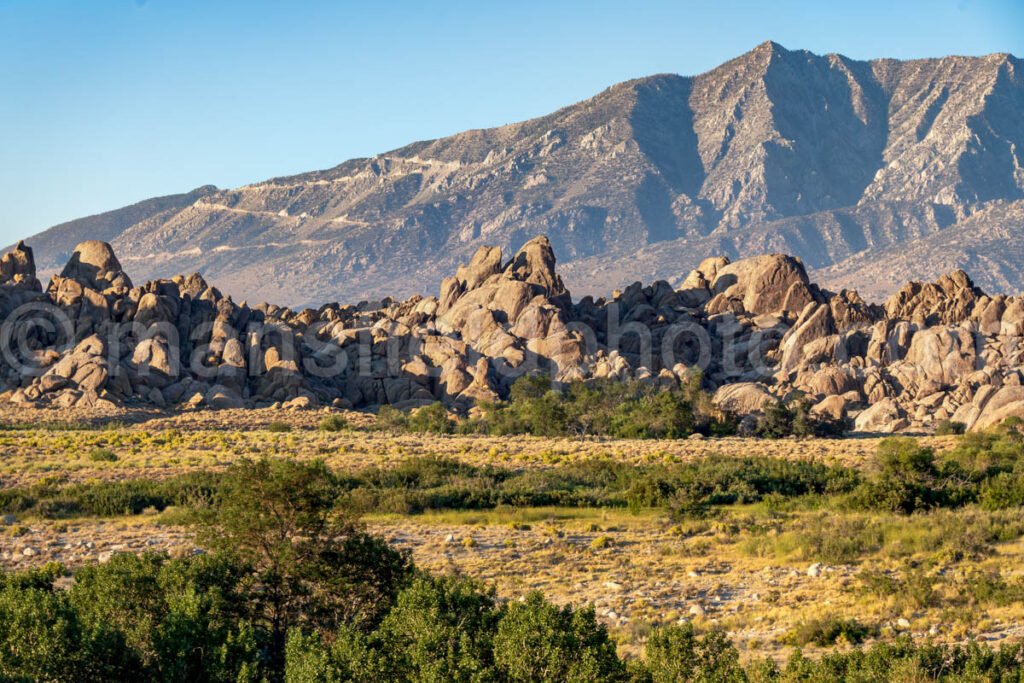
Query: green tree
point(43, 639)
point(530, 387)
point(184, 619)
point(350, 657)
point(441, 630)
point(538, 642)
point(676, 654)
point(308, 565)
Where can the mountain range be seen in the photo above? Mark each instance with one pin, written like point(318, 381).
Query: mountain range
point(871, 172)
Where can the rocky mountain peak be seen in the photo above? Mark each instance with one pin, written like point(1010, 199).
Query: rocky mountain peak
point(872, 172)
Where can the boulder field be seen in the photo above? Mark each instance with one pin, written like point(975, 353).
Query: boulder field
point(757, 329)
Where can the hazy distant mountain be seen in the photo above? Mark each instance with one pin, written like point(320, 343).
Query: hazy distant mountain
point(56, 244)
point(872, 172)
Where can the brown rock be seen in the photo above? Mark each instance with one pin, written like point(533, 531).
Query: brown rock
point(94, 265)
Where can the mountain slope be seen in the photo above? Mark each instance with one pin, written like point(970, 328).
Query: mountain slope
point(831, 159)
point(57, 243)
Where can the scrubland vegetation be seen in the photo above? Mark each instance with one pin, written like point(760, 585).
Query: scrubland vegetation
point(984, 470)
point(293, 588)
point(611, 408)
point(452, 565)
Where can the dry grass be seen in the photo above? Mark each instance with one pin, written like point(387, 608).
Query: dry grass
point(745, 569)
point(163, 446)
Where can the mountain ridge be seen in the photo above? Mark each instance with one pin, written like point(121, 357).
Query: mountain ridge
point(848, 164)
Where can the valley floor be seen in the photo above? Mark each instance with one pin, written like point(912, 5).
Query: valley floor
point(763, 572)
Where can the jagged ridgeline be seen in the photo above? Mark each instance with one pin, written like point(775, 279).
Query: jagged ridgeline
point(757, 328)
point(872, 172)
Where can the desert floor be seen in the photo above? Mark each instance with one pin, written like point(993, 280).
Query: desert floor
point(758, 571)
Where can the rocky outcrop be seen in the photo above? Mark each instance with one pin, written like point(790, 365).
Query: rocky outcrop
point(743, 398)
point(761, 284)
point(882, 417)
point(18, 268)
point(758, 330)
point(949, 300)
point(94, 265)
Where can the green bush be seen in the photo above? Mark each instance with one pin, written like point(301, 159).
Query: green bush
point(837, 540)
point(538, 642)
point(415, 485)
point(949, 427)
point(333, 423)
point(677, 653)
point(431, 419)
point(391, 419)
point(913, 588)
point(44, 638)
point(440, 629)
point(107, 498)
point(794, 418)
point(629, 410)
point(828, 631)
point(910, 478)
point(102, 455)
point(692, 489)
point(1003, 491)
point(278, 426)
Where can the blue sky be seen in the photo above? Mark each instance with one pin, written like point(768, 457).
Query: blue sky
point(106, 102)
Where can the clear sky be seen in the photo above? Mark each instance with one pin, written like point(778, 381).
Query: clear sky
point(107, 102)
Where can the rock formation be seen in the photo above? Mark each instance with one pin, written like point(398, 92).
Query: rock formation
point(757, 328)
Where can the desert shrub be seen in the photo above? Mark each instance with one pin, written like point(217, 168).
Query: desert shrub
point(910, 478)
point(794, 418)
point(903, 660)
point(15, 500)
point(422, 484)
point(842, 540)
point(693, 488)
point(278, 426)
point(102, 455)
point(106, 498)
point(391, 419)
point(828, 631)
point(913, 588)
point(989, 452)
point(64, 425)
point(1003, 491)
point(333, 423)
point(433, 419)
point(949, 427)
